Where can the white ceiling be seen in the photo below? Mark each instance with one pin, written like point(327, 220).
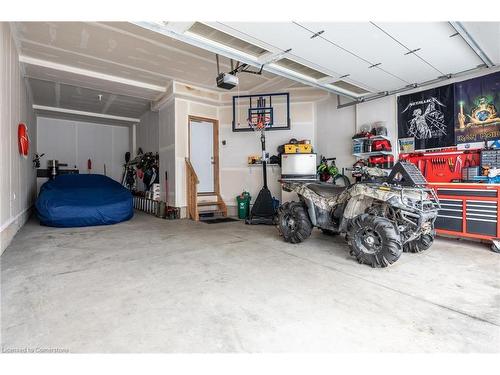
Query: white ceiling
point(68, 64)
point(353, 48)
point(378, 57)
point(60, 95)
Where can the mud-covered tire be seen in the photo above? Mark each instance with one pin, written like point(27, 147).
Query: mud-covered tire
point(419, 244)
point(293, 222)
point(373, 240)
point(329, 232)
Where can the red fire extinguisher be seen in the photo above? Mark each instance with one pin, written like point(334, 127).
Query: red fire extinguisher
point(23, 139)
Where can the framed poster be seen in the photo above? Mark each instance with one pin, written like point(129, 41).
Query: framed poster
point(477, 105)
point(428, 116)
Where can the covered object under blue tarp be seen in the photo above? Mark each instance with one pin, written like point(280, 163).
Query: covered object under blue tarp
point(80, 200)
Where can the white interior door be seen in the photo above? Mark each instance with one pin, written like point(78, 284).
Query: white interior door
point(202, 154)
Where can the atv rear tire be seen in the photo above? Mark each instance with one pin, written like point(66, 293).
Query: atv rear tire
point(419, 244)
point(293, 222)
point(374, 240)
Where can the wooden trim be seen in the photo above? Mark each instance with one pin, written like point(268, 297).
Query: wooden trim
point(193, 194)
point(216, 149)
point(191, 191)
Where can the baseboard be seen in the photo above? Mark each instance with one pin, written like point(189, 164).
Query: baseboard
point(9, 229)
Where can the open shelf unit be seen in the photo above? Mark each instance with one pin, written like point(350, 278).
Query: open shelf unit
point(373, 138)
point(373, 153)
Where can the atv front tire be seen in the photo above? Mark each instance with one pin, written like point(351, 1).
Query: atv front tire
point(293, 222)
point(419, 244)
point(374, 240)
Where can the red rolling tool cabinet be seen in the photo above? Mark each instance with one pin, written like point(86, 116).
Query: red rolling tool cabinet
point(469, 210)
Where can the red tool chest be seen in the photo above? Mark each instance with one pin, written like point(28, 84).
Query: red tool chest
point(468, 210)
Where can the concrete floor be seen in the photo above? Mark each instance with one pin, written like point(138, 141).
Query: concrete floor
point(150, 285)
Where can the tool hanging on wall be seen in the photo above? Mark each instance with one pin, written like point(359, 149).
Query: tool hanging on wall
point(36, 160)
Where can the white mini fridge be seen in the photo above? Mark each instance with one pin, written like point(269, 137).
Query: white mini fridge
point(297, 167)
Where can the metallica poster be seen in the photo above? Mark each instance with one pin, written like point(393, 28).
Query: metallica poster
point(477, 105)
point(428, 116)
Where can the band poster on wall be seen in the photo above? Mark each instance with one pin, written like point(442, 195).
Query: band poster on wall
point(428, 116)
point(477, 104)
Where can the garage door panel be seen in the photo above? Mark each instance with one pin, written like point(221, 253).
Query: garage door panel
point(369, 42)
point(448, 54)
point(336, 61)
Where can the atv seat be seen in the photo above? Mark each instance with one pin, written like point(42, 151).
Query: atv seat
point(326, 190)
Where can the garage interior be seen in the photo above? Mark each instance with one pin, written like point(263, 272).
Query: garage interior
point(188, 261)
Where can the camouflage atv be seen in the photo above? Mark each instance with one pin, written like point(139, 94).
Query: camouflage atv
point(381, 217)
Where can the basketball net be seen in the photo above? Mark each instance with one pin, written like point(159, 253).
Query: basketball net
point(262, 122)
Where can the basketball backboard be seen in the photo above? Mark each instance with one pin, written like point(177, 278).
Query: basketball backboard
point(271, 109)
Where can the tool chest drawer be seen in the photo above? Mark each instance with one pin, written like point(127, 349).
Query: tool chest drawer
point(468, 210)
point(468, 192)
point(450, 215)
point(481, 217)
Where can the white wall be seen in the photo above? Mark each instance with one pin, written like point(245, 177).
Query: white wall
point(167, 134)
point(183, 109)
point(17, 176)
point(335, 128)
point(147, 137)
point(172, 132)
point(384, 109)
point(147, 132)
point(337, 142)
point(74, 142)
point(236, 175)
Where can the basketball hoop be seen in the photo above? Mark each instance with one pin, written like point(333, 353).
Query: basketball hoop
point(259, 121)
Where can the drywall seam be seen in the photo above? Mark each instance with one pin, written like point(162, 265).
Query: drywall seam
point(89, 73)
point(162, 75)
point(162, 102)
point(84, 113)
point(154, 42)
point(48, 46)
point(196, 99)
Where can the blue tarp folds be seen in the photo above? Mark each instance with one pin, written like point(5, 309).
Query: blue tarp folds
point(80, 200)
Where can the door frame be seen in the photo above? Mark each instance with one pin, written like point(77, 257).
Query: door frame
point(215, 126)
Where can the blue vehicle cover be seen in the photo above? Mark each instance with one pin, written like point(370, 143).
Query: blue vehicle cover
point(80, 200)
